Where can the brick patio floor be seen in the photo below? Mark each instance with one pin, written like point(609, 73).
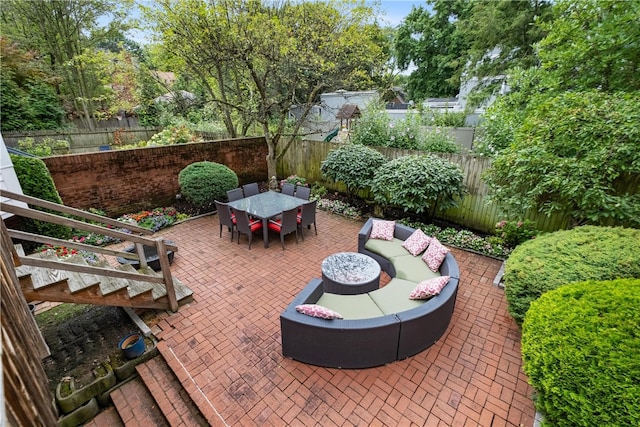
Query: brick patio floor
point(226, 345)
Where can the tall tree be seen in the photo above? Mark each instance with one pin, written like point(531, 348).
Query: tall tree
point(592, 44)
point(429, 40)
point(66, 31)
point(259, 59)
point(502, 35)
point(566, 137)
point(28, 98)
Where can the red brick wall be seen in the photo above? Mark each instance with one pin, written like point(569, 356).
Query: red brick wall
point(125, 181)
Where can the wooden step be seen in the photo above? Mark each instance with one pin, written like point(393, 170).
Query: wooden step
point(182, 291)
point(172, 399)
point(136, 287)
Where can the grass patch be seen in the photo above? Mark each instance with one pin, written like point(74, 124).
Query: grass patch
point(59, 313)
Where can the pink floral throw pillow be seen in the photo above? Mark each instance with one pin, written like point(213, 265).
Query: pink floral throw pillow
point(417, 242)
point(315, 310)
point(383, 229)
point(435, 254)
point(428, 288)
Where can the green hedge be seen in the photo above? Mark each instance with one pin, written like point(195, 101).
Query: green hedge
point(552, 260)
point(581, 351)
point(203, 182)
point(36, 181)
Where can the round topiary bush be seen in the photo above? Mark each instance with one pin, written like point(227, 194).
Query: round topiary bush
point(203, 182)
point(352, 164)
point(555, 259)
point(581, 351)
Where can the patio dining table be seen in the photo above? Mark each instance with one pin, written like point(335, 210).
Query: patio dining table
point(265, 206)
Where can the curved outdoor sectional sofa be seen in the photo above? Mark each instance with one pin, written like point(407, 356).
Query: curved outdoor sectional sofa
point(379, 326)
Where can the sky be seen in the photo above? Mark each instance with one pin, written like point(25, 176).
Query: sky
point(392, 12)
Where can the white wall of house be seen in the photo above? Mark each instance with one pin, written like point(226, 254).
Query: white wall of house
point(8, 179)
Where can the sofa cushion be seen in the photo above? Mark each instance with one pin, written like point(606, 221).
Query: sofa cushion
point(386, 248)
point(382, 229)
point(351, 306)
point(394, 297)
point(435, 254)
point(429, 288)
point(412, 268)
point(417, 242)
point(315, 310)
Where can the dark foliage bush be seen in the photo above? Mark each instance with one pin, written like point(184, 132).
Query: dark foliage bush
point(555, 259)
point(419, 184)
point(203, 182)
point(36, 181)
point(581, 351)
point(352, 164)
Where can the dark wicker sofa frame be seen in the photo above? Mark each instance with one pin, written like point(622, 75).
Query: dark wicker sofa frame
point(364, 343)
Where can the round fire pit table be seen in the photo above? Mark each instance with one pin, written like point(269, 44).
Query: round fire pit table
point(350, 273)
point(151, 255)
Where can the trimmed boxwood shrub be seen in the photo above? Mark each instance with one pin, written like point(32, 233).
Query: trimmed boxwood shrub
point(35, 181)
point(581, 351)
point(203, 182)
point(555, 259)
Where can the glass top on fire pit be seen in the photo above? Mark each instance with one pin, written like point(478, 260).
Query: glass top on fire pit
point(350, 273)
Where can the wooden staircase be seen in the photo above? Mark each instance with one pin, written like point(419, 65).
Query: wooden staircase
point(45, 277)
point(62, 285)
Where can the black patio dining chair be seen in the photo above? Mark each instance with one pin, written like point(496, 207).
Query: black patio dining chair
point(303, 192)
point(308, 217)
point(288, 189)
point(288, 223)
point(244, 225)
point(250, 189)
point(225, 217)
point(235, 194)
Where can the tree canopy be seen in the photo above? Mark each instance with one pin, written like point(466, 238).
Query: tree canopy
point(566, 138)
point(257, 60)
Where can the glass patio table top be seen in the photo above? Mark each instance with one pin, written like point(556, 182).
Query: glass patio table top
point(267, 205)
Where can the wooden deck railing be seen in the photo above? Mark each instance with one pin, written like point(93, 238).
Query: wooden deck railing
point(160, 245)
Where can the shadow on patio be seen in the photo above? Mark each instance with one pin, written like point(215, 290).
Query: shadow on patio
point(225, 346)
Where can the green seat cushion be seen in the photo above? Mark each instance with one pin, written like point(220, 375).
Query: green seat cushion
point(412, 268)
point(394, 297)
point(351, 306)
point(386, 248)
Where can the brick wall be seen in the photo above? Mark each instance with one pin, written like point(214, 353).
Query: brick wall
point(125, 181)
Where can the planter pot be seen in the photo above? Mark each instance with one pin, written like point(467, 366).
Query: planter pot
point(128, 368)
point(78, 397)
point(132, 345)
point(151, 255)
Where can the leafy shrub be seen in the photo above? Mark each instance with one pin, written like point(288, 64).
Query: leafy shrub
point(576, 153)
point(44, 148)
point(372, 128)
point(432, 117)
point(352, 164)
point(512, 233)
point(405, 133)
point(581, 352)
point(295, 180)
point(556, 259)
point(418, 183)
point(36, 181)
point(173, 135)
point(203, 182)
point(438, 141)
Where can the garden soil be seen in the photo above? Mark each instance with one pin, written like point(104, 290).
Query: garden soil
point(83, 340)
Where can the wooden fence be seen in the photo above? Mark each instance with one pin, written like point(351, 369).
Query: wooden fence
point(303, 158)
point(84, 141)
